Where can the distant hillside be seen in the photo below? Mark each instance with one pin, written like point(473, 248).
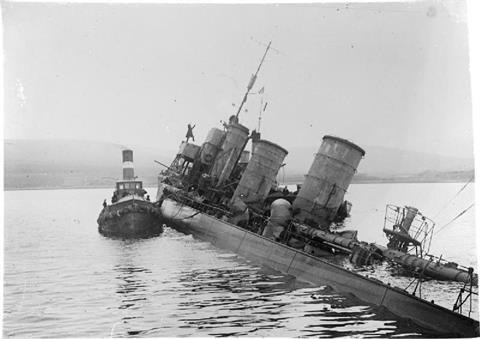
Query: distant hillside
point(383, 161)
point(424, 177)
point(72, 163)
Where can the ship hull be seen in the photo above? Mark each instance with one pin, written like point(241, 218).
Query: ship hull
point(130, 219)
point(314, 270)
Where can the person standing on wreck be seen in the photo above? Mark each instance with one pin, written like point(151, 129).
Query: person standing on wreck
point(190, 132)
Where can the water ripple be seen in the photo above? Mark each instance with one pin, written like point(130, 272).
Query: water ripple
point(63, 279)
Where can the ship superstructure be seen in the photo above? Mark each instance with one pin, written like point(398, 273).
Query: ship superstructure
point(220, 192)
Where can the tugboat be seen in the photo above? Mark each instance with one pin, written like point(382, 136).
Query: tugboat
point(131, 213)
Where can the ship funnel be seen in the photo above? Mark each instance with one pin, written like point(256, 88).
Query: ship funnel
point(261, 171)
point(211, 145)
point(235, 140)
point(127, 164)
point(327, 181)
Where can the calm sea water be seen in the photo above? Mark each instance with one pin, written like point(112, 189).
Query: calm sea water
point(63, 279)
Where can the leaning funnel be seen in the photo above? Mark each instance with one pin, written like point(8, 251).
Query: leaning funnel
point(233, 144)
point(261, 171)
point(327, 181)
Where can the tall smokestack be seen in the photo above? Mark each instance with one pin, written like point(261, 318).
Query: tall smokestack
point(327, 181)
point(127, 164)
point(261, 171)
point(233, 144)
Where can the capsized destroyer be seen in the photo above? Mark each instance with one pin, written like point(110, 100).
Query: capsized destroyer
point(131, 213)
point(219, 194)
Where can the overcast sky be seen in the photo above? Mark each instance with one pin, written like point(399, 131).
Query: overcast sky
point(378, 74)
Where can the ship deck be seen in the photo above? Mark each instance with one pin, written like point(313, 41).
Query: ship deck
point(314, 270)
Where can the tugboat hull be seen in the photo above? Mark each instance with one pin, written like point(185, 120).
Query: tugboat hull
point(130, 219)
point(132, 225)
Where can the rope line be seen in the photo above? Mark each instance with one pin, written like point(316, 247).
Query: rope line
point(190, 216)
point(458, 216)
point(453, 198)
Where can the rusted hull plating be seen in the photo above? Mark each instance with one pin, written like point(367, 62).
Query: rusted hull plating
point(315, 270)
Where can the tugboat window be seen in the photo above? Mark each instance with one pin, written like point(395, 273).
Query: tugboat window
point(120, 186)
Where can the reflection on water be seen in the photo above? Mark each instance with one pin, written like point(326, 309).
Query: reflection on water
point(250, 301)
point(63, 279)
point(131, 287)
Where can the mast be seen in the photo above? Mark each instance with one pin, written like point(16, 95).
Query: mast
point(260, 113)
point(252, 81)
point(262, 109)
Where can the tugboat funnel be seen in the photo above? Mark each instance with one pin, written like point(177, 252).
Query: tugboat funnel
point(127, 164)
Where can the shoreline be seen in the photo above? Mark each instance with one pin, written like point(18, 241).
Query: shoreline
point(359, 182)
